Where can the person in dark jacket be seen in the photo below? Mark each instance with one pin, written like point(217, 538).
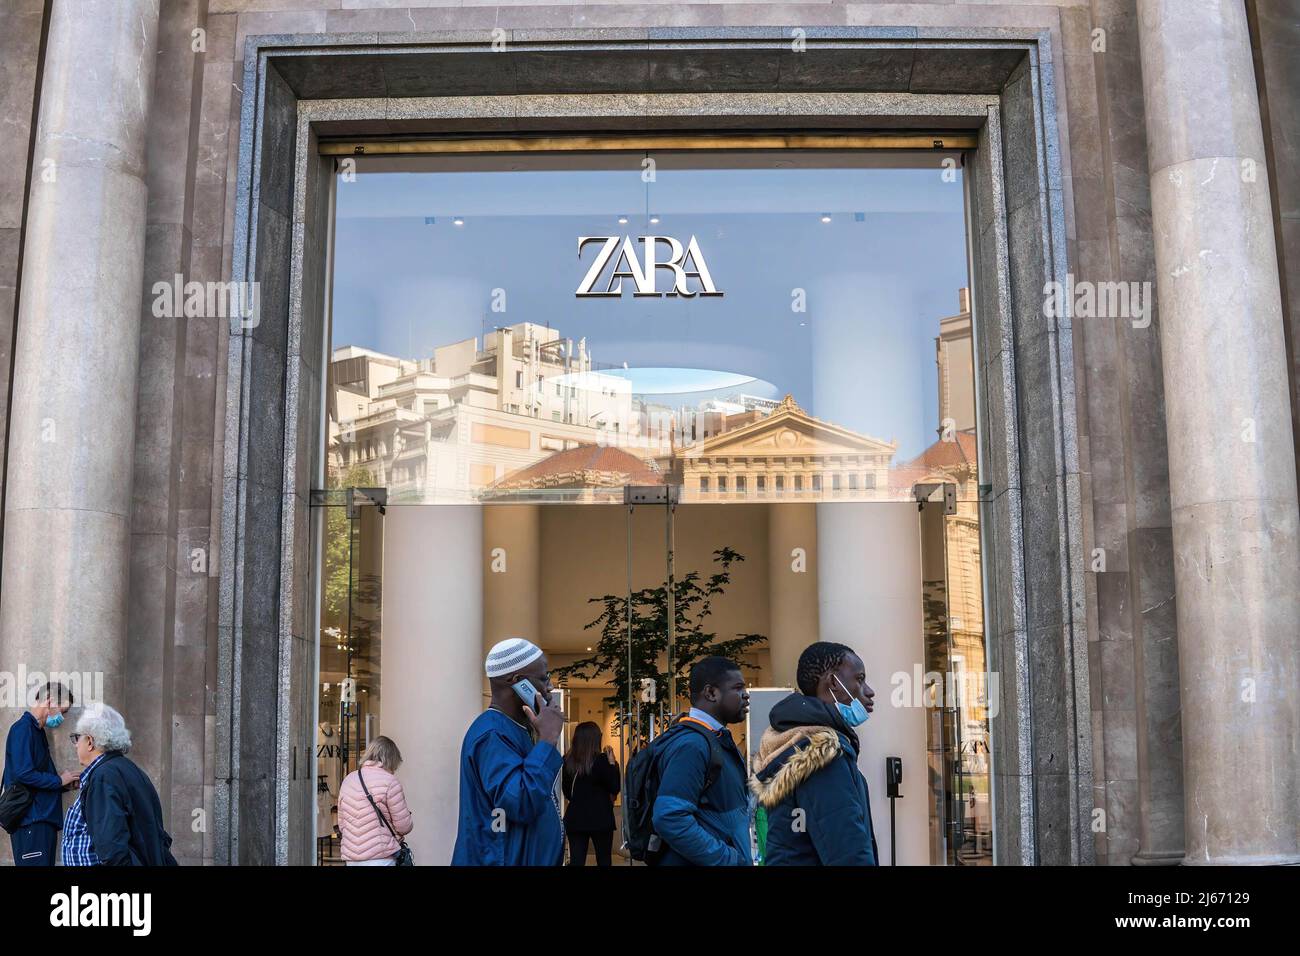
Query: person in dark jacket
point(806, 770)
point(705, 824)
point(28, 762)
point(591, 782)
point(117, 818)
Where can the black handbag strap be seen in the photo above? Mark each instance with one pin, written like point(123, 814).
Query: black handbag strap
point(378, 812)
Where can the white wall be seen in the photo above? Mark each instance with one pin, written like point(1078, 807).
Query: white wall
point(431, 675)
point(869, 594)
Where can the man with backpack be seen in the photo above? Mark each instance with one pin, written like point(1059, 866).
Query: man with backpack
point(694, 779)
point(31, 804)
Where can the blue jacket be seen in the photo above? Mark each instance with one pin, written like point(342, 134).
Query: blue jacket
point(509, 807)
point(701, 827)
point(807, 779)
point(28, 761)
point(124, 816)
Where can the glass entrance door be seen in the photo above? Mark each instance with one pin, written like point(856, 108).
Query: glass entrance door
point(958, 692)
point(350, 523)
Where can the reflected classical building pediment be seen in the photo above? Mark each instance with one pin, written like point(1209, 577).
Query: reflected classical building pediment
point(787, 454)
point(789, 430)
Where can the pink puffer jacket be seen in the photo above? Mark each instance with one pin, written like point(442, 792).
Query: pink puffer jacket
point(364, 837)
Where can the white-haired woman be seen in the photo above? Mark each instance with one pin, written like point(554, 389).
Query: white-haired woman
point(117, 817)
point(373, 815)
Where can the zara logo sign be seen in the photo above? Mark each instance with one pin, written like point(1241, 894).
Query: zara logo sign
point(685, 262)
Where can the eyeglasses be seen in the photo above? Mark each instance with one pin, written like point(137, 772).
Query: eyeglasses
point(74, 738)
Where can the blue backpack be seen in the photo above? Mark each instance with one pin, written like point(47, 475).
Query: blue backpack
point(643, 775)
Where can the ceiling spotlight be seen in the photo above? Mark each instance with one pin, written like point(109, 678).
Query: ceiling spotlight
point(622, 220)
point(589, 648)
point(654, 220)
point(459, 221)
point(826, 217)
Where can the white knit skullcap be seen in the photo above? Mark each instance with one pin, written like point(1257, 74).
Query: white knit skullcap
point(510, 655)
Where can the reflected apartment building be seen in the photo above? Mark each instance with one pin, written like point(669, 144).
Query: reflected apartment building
point(469, 423)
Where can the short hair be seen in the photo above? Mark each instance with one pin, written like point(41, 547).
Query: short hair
point(384, 752)
point(710, 671)
point(816, 660)
point(56, 692)
point(107, 727)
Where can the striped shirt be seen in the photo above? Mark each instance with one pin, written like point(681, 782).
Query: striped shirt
point(77, 848)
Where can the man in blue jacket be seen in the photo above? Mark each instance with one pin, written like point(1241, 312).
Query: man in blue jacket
point(705, 823)
point(806, 769)
point(510, 767)
point(28, 762)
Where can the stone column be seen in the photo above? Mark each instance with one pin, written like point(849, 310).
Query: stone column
point(68, 504)
point(1232, 472)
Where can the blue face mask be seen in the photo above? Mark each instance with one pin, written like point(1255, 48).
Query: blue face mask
point(854, 713)
point(53, 720)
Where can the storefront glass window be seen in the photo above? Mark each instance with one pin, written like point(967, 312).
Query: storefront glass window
point(642, 407)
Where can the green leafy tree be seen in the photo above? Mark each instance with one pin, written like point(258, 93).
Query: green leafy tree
point(337, 532)
point(694, 596)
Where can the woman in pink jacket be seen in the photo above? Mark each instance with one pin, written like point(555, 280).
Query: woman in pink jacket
point(367, 841)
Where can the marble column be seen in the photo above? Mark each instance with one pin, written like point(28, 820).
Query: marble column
point(68, 505)
point(1232, 472)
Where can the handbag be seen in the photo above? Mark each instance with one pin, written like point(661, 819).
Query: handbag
point(403, 856)
point(15, 801)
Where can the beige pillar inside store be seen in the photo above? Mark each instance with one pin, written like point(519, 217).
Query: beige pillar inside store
point(432, 666)
point(869, 590)
point(1232, 470)
point(512, 574)
point(792, 593)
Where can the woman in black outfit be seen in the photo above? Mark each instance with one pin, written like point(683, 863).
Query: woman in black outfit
point(591, 782)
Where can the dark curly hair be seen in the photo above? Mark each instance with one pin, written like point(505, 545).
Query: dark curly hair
point(816, 660)
point(710, 671)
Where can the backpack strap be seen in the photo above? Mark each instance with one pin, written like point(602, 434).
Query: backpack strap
point(715, 750)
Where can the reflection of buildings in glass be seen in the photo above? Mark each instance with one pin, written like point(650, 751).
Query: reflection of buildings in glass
point(576, 475)
point(955, 358)
point(467, 421)
point(472, 423)
point(786, 454)
point(441, 428)
point(954, 608)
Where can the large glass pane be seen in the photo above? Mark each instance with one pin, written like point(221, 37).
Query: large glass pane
point(787, 325)
point(687, 399)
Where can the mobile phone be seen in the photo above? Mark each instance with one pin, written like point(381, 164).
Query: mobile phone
point(527, 693)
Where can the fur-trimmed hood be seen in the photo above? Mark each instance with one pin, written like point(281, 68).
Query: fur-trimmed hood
point(786, 758)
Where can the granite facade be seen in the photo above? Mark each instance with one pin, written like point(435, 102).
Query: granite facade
point(1089, 749)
